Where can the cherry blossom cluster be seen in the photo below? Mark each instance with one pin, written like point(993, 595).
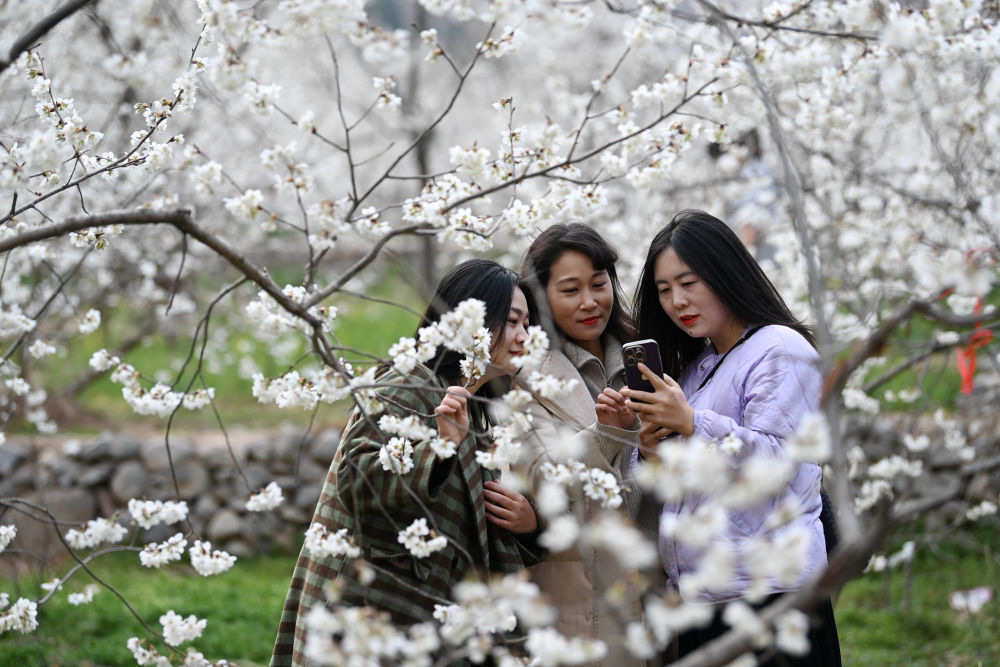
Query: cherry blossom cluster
point(21, 616)
point(321, 385)
point(145, 654)
point(396, 456)
point(267, 499)
point(273, 320)
point(321, 543)
point(207, 562)
point(156, 555)
point(420, 540)
point(7, 533)
point(160, 400)
point(86, 596)
point(412, 431)
point(177, 630)
point(97, 532)
point(341, 633)
point(149, 513)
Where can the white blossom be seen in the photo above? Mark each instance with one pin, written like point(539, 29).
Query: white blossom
point(7, 533)
point(97, 532)
point(792, 632)
point(561, 534)
point(415, 539)
point(157, 555)
point(148, 513)
point(321, 543)
point(41, 348)
point(602, 486)
point(396, 456)
point(267, 499)
point(177, 630)
point(21, 616)
point(245, 206)
point(86, 596)
point(90, 322)
point(146, 655)
point(207, 562)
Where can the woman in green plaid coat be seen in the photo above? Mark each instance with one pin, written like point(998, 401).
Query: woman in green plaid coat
point(374, 504)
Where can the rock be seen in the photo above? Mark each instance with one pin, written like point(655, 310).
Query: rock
point(70, 506)
point(154, 454)
point(129, 480)
point(290, 444)
point(306, 497)
point(239, 548)
point(38, 539)
point(160, 533)
point(11, 456)
point(205, 506)
point(324, 446)
point(192, 479)
point(215, 458)
point(294, 515)
point(21, 481)
point(310, 472)
point(97, 449)
point(61, 472)
point(124, 447)
point(225, 525)
point(97, 473)
point(259, 450)
point(257, 477)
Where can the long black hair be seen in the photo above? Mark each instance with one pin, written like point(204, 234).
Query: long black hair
point(481, 279)
point(548, 247)
point(715, 254)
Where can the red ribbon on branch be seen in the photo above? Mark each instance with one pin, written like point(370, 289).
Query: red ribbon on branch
point(966, 356)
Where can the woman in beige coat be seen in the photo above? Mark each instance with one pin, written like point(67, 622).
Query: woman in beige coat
point(570, 271)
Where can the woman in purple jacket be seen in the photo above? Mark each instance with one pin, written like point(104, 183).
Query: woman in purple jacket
point(747, 373)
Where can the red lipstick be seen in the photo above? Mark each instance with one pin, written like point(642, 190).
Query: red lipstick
point(688, 320)
point(590, 320)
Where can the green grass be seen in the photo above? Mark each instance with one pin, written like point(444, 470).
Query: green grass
point(877, 628)
point(243, 605)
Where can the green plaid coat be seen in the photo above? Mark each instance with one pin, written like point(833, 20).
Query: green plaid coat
point(375, 505)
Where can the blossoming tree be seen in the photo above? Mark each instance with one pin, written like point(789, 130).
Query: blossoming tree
point(144, 144)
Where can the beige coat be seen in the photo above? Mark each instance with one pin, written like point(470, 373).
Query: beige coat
point(575, 581)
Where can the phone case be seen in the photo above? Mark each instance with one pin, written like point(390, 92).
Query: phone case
point(641, 351)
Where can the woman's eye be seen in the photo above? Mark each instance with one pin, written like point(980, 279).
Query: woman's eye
point(569, 290)
point(599, 285)
point(688, 283)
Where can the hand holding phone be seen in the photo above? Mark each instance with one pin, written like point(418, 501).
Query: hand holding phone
point(641, 352)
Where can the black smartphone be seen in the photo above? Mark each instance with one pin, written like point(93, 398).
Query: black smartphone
point(641, 351)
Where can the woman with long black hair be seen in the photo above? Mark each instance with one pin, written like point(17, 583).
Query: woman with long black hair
point(739, 367)
point(373, 499)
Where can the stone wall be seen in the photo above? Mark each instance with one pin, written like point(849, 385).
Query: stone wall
point(78, 479)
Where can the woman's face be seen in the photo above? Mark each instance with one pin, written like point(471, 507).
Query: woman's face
point(510, 339)
point(580, 296)
point(692, 305)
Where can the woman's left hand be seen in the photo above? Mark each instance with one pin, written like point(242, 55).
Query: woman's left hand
point(612, 410)
point(509, 509)
point(667, 407)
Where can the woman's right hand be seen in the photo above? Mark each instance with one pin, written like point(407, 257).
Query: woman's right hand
point(453, 414)
point(613, 411)
point(650, 436)
point(666, 406)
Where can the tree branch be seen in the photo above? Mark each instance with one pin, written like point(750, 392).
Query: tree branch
point(39, 30)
